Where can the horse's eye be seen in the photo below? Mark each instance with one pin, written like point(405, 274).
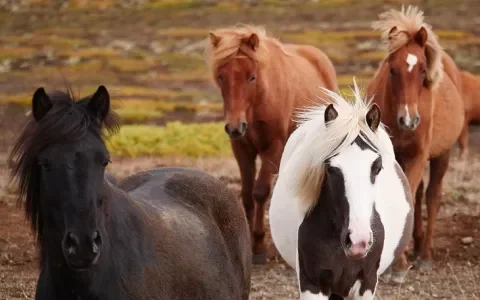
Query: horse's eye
point(44, 164)
point(101, 200)
point(424, 72)
point(392, 71)
point(220, 78)
point(252, 78)
point(377, 166)
point(105, 163)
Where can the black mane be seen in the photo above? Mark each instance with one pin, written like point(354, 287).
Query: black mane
point(67, 121)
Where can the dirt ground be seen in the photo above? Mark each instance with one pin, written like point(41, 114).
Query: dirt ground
point(90, 46)
point(456, 274)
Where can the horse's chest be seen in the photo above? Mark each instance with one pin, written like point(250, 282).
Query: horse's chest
point(262, 135)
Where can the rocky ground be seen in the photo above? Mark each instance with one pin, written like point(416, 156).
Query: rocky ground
point(151, 52)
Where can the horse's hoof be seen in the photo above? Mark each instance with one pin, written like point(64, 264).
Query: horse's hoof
point(424, 265)
point(259, 259)
point(398, 277)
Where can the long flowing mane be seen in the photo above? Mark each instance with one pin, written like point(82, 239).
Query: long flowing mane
point(407, 23)
point(232, 44)
point(67, 121)
point(314, 143)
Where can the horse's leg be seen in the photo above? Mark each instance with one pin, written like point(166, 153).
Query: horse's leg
point(261, 192)
point(245, 154)
point(367, 286)
point(413, 168)
point(463, 140)
point(438, 168)
point(418, 222)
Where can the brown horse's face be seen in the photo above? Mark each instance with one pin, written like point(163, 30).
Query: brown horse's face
point(407, 78)
point(237, 80)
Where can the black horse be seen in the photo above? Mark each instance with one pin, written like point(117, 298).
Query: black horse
point(168, 233)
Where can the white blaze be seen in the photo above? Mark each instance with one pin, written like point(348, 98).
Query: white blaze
point(407, 115)
point(411, 61)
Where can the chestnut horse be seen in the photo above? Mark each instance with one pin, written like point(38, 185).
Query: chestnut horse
point(471, 100)
point(424, 111)
point(263, 82)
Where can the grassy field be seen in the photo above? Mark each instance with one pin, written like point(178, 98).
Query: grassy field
point(149, 54)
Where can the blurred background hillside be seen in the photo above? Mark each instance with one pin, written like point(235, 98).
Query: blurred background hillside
point(149, 54)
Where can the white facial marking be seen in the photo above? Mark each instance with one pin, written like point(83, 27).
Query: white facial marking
point(407, 115)
point(356, 166)
point(411, 61)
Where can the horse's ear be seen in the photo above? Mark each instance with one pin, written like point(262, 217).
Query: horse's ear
point(421, 37)
point(373, 117)
point(99, 104)
point(214, 39)
point(330, 113)
point(41, 104)
point(392, 31)
point(252, 41)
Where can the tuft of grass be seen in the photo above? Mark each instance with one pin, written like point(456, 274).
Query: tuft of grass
point(372, 55)
point(166, 106)
point(177, 62)
point(130, 65)
point(183, 32)
point(175, 139)
point(8, 52)
point(311, 35)
point(92, 52)
point(55, 41)
point(193, 75)
point(175, 4)
point(138, 115)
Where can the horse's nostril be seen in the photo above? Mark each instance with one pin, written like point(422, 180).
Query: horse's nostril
point(416, 120)
point(227, 130)
point(71, 243)
point(401, 120)
point(348, 241)
point(96, 241)
point(243, 126)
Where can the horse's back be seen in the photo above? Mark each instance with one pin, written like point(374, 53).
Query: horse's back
point(449, 116)
point(321, 63)
point(209, 222)
point(471, 95)
point(452, 71)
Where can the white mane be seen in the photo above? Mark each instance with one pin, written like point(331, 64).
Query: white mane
point(303, 161)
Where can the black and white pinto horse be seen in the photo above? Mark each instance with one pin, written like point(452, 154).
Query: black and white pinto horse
point(341, 210)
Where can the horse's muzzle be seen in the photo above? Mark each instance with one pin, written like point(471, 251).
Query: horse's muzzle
point(236, 132)
point(408, 122)
point(81, 253)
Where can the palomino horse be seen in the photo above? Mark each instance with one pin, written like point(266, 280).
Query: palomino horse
point(471, 100)
point(168, 233)
point(424, 111)
point(262, 82)
point(341, 209)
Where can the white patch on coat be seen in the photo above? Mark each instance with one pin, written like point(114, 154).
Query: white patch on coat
point(411, 61)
